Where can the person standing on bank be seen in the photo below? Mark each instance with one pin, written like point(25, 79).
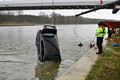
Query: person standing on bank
point(100, 33)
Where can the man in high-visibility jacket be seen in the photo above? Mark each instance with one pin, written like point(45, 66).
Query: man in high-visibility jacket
point(100, 33)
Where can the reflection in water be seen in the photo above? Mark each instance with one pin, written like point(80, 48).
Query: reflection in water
point(47, 70)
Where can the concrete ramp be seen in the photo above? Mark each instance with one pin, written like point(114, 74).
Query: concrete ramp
point(81, 68)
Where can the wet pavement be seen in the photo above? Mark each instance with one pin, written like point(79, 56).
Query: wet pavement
point(18, 58)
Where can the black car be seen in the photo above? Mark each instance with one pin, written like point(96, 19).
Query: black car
point(47, 44)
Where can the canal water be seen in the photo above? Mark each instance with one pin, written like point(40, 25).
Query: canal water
point(18, 58)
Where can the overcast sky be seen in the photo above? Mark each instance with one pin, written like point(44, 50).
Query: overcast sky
point(100, 14)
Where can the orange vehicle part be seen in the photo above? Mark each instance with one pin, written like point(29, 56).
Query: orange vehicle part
point(112, 24)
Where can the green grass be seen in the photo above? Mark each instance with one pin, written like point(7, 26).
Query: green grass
point(15, 24)
point(107, 66)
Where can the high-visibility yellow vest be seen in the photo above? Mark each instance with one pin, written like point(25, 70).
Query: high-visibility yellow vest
point(100, 32)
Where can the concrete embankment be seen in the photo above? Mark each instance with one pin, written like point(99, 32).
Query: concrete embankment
point(81, 68)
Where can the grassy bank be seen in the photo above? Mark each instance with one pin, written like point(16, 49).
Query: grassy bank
point(107, 66)
point(15, 24)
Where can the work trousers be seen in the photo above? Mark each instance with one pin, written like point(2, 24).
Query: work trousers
point(99, 44)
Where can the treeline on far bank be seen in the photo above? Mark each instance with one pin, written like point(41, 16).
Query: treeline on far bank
point(45, 19)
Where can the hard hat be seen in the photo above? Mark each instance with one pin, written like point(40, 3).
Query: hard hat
point(100, 23)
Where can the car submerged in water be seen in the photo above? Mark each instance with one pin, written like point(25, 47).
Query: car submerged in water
point(47, 44)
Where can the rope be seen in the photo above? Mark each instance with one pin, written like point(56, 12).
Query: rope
point(75, 22)
point(92, 41)
point(53, 13)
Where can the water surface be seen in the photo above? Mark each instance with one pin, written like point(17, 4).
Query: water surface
point(18, 58)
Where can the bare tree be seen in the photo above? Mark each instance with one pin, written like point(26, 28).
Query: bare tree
point(20, 12)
